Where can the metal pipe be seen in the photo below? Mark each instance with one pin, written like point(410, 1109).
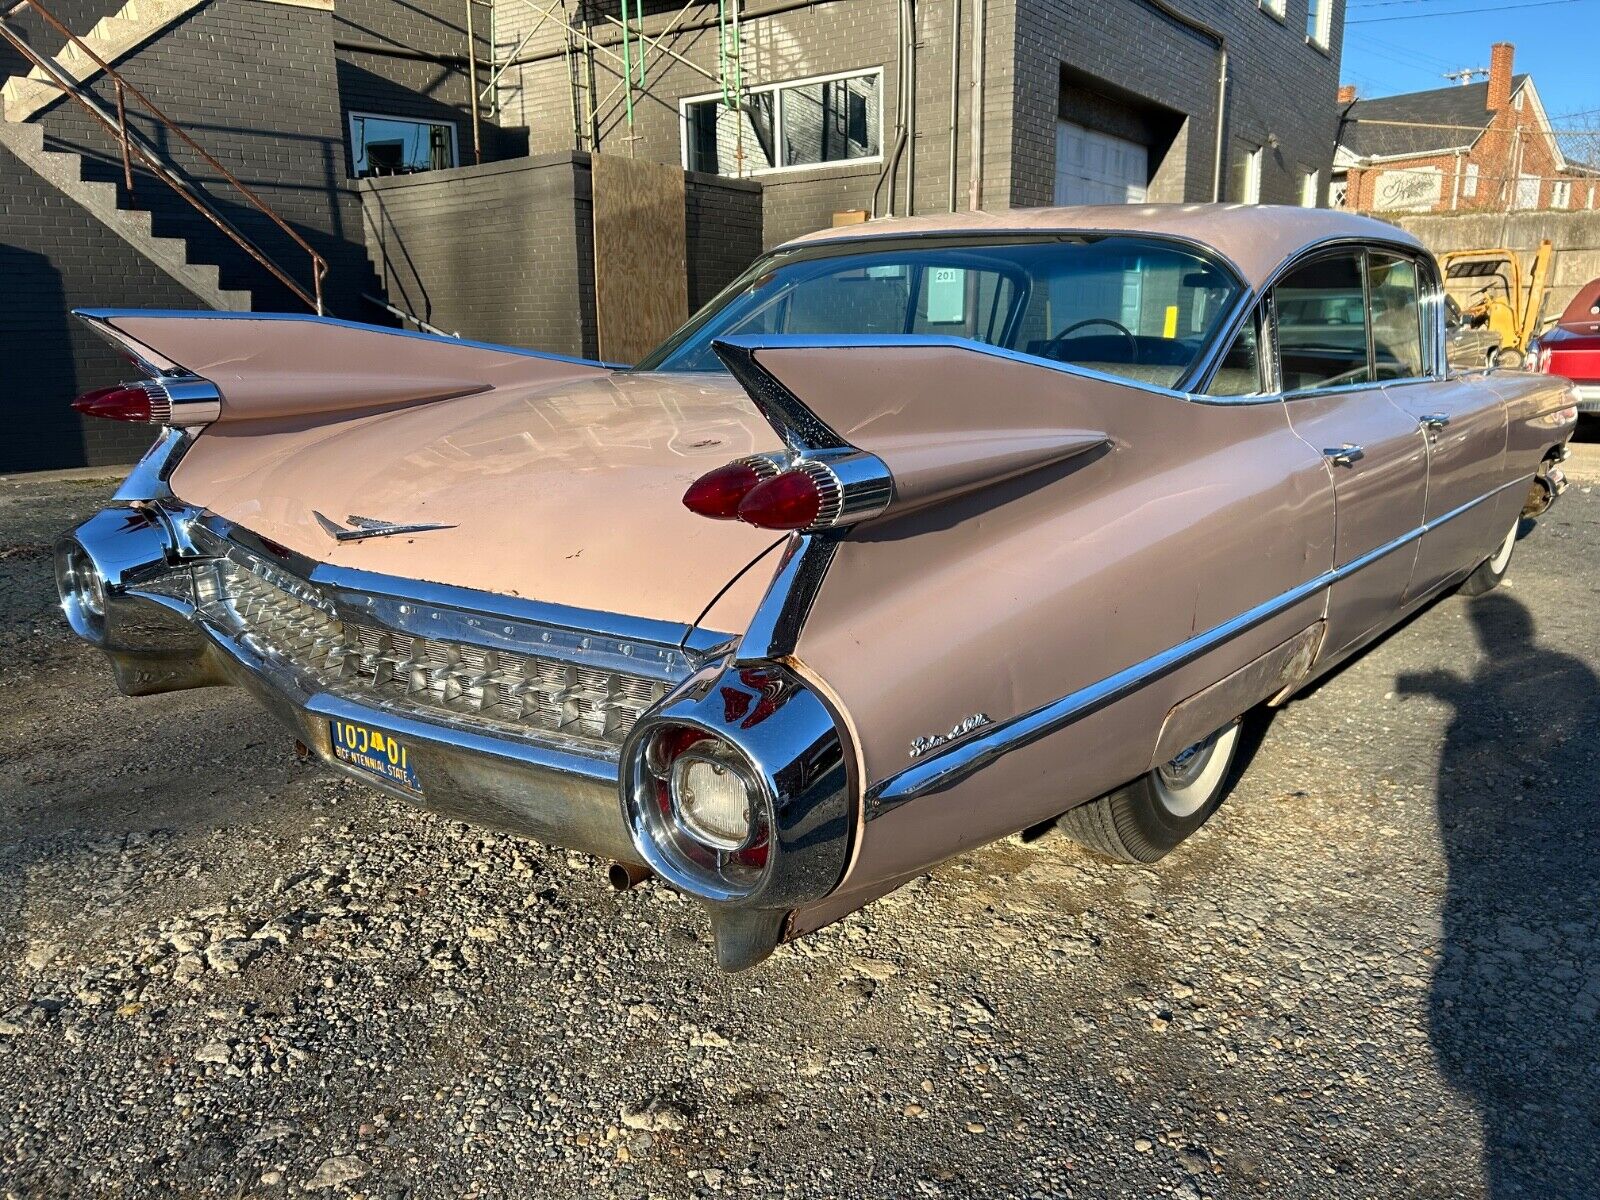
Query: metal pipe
point(891, 161)
point(472, 85)
point(1222, 123)
point(772, 10)
point(975, 142)
point(623, 876)
point(955, 97)
point(911, 107)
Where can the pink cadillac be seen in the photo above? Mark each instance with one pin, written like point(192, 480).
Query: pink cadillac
point(922, 533)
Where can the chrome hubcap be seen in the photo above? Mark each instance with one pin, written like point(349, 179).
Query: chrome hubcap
point(1189, 782)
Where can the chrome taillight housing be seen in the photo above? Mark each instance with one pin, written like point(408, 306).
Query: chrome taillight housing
point(737, 788)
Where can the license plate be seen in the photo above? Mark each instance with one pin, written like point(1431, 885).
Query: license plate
point(375, 752)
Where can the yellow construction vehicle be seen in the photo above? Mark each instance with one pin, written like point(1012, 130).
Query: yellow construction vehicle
point(1499, 298)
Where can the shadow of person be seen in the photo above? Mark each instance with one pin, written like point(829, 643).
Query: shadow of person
point(1515, 1008)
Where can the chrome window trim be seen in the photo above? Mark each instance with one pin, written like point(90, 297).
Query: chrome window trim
point(965, 757)
point(1262, 296)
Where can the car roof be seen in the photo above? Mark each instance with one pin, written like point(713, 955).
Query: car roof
point(1254, 238)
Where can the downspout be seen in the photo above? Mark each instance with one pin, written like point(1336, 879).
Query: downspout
point(1221, 43)
point(911, 107)
point(891, 162)
point(975, 147)
point(955, 99)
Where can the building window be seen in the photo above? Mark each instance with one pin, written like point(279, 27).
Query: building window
point(1277, 9)
point(1469, 184)
point(1244, 183)
point(399, 145)
point(786, 126)
point(1311, 189)
point(1319, 22)
point(1561, 194)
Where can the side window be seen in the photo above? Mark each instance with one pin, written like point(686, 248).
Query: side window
point(1322, 324)
point(1239, 372)
point(1396, 316)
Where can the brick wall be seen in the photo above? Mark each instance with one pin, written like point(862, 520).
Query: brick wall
point(504, 252)
point(54, 257)
point(1282, 94)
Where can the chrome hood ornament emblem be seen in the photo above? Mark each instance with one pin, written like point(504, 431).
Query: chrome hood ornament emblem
point(361, 528)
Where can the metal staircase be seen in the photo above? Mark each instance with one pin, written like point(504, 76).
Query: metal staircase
point(67, 75)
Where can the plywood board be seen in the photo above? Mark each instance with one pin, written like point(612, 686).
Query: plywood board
point(640, 255)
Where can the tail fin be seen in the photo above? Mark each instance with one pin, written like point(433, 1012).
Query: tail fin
point(942, 415)
point(285, 364)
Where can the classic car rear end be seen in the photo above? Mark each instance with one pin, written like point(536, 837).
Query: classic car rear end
point(921, 534)
point(1571, 348)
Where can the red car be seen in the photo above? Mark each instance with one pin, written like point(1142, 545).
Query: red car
point(1572, 346)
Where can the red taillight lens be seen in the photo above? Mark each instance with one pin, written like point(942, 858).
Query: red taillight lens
point(126, 402)
point(788, 501)
point(717, 494)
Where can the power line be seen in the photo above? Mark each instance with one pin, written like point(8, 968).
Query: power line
point(1460, 12)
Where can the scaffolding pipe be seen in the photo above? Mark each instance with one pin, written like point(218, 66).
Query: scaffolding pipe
point(472, 83)
point(955, 97)
point(627, 74)
point(975, 142)
point(911, 107)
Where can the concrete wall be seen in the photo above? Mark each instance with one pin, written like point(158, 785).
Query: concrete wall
point(1575, 236)
point(504, 252)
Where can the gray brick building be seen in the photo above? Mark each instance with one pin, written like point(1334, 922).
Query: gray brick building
point(1082, 100)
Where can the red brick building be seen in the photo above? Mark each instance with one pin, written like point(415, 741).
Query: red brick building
point(1480, 146)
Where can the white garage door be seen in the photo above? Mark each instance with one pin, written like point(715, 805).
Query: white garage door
point(1096, 168)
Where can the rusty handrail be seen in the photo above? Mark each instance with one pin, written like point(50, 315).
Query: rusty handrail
point(132, 146)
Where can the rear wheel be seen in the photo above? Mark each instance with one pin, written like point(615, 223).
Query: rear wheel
point(1144, 820)
point(1508, 358)
point(1493, 569)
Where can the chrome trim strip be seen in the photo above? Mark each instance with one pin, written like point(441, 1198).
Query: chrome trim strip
point(148, 480)
point(775, 628)
point(745, 344)
point(110, 314)
point(964, 758)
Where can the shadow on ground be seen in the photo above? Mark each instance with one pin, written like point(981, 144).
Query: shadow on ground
point(1514, 1006)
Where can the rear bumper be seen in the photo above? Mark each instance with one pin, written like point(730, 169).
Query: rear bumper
point(1588, 397)
point(159, 639)
point(509, 718)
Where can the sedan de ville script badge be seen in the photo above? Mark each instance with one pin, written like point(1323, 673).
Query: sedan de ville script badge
point(362, 528)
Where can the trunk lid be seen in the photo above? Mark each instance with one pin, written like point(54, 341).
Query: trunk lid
point(566, 493)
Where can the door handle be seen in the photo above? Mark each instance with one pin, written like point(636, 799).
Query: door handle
point(1434, 422)
point(1345, 455)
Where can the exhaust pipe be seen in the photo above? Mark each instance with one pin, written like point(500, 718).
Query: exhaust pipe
point(624, 876)
point(1547, 485)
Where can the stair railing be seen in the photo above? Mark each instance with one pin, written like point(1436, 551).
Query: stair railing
point(134, 145)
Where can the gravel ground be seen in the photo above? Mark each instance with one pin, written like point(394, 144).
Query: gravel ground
point(1373, 974)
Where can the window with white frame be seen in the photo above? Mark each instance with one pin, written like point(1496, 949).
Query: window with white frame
point(1244, 183)
point(1469, 182)
point(1561, 194)
point(382, 145)
point(1319, 22)
point(1311, 189)
point(1276, 8)
point(786, 126)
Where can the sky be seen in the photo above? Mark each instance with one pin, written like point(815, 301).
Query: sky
point(1395, 46)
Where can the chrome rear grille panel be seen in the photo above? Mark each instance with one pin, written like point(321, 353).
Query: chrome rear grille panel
point(549, 697)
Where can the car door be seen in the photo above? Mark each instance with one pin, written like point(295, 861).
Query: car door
point(1462, 420)
point(1374, 451)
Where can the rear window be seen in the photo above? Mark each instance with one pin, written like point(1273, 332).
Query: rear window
point(1141, 308)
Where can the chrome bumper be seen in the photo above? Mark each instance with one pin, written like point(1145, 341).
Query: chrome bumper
point(127, 587)
point(148, 584)
point(1588, 397)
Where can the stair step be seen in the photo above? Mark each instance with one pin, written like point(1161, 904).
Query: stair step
point(98, 197)
point(111, 38)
